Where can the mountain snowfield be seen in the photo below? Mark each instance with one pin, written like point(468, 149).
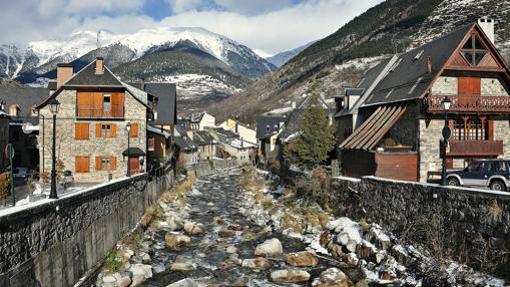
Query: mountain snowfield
point(35, 64)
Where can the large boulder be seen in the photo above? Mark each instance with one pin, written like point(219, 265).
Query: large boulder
point(259, 263)
point(193, 228)
point(289, 276)
point(182, 266)
point(176, 240)
point(141, 272)
point(332, 277)
point(270, 247)
point(184, 283)
point(304, 258)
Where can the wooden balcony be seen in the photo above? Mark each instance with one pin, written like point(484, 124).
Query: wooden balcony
point(100, 112)
point(475, 148)
point(469, 103)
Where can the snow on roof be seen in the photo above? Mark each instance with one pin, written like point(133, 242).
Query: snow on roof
point(137, 93)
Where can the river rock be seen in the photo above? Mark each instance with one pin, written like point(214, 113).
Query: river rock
point(260, 263)
point(210, 204)
point(141, 272)
point(218, 220)
point(377, 236)
point(270, 247)
point(332, 277)
point(193, 228)
point(184, 283)
point(226, 233)
point(304, 258)
point(231, 250)
point(182, 266)
point(176, 240)
point(289, 276)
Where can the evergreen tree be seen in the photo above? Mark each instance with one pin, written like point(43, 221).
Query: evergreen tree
point(312, 146)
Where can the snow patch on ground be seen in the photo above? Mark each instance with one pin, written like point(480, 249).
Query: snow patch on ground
point(193, 85)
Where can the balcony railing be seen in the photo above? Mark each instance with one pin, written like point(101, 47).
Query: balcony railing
point(475, 148)
point(471, 103)
point(95, 111)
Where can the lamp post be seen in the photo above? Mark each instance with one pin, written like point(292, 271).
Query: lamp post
point(446, 103)
point(54, 107)
point(128, 129)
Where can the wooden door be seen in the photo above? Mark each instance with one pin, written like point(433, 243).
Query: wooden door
point(83, 104)
point(98, 104)
point(469, 90)
point(134, 165)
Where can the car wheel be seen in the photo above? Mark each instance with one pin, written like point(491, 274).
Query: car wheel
point(452, 181)
point(498, 185)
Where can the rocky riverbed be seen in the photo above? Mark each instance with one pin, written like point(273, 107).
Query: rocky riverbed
point(229, 231)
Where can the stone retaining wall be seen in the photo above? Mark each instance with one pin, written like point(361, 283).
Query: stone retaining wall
point(55, 243)
point(467, 225)
point(205, 168)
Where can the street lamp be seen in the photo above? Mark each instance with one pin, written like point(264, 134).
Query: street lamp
point(446, 104)
point(128, 129)
point(54, 107)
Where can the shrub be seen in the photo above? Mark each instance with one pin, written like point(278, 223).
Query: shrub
point(315, 186)
point(113, 262)
point(5, 185)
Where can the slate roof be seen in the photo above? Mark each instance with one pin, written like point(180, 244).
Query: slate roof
point(266, 125)
point(167, 101)
point(292, 124)
point(25, 98)
point(87, 77)
point(409, 78)
point(203, 138)
point(184, 143)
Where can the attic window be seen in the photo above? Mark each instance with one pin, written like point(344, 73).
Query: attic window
point(473, 51)
point(268, 128)
point(418, 56)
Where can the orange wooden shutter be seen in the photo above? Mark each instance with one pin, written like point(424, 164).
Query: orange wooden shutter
point(82, 164)
point(98, 130)
point(113, 130)
point(113, 163)
point(98, 163)
point(134, 130)
point(98, 104)
point(81, 131)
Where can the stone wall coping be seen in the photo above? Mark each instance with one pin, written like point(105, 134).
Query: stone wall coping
point(33, 208)
point(352, 179)
point(465, 189)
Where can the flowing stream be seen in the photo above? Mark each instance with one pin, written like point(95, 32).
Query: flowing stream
point(220, 197)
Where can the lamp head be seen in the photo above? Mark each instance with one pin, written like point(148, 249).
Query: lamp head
point(54, 106)
point(128, 127)
point(446, 103)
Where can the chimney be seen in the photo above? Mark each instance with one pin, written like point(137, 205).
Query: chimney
point(142, 84)
point(64, 73)
point(429, 64)
point(487, 26)
point(99, 66)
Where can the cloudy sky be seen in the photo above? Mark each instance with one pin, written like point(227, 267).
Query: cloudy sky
point(267, 26)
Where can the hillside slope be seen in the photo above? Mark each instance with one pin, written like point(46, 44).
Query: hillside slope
point(340, 59)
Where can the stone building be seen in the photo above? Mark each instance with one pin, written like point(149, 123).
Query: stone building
point(390, 124)
point(91, 135)
point(4, 136)
point(267, 131)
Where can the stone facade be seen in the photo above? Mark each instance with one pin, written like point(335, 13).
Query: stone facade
point(447, 86)
point(67, 147)
point(428, 148)
point(493, 87)
point(55, 243)
point(502, 132)
point(405, 131)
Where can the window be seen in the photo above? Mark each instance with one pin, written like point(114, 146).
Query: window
point(473, 51)
point(106, 163)
point(13, 110)
point(151, 144)
point(81, 131)
point(471, 129)
point(497, 166)
point(475, 166)
point(107, 103)
point(134, 130)
point(82, 164)
point(106, 130)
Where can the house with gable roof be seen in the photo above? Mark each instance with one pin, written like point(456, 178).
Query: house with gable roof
point(390, 124)
point(91, 134)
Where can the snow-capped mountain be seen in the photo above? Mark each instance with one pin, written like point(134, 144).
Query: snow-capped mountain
point(281, 58)
point(41, 57)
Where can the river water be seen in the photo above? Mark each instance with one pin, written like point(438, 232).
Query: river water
point(220, 196)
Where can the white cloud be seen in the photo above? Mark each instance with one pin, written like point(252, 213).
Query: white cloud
point(269, 26)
